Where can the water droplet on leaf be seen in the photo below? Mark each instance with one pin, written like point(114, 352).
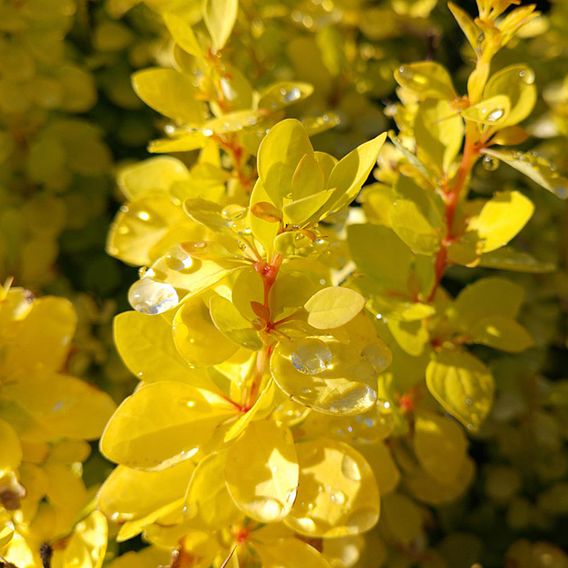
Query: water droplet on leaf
point(150, 297)
point(311, 357)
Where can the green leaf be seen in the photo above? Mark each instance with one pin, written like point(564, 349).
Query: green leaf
point(333, 307)
point(463, 385)
point(413, 227)
point(440, 446)
point(351, 172)
point(486, 298)
point(426, 79)
point(501, 333)
point(379, 253)
point(517, 261)
point(220, 17)
point(171, 93)
point(536, 167)
point(501, 219)
point(230, 322)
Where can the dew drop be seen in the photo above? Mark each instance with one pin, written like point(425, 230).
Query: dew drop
point(179, 260)
point(269, 509)
point(528, 76)
point(377, 355)
point(490, 163)
point(228, 91)
point(290, 95)
point(150, 297)
point(306, 524)
point(363, 519)
point(406, 72)
point(338, 497)
point(311, 357)
point(495, 115)
point(143, 215)
point(350, 468)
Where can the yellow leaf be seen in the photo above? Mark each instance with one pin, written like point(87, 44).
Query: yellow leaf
point(379, 457)
point(517, 83)
point(426, 79)
point(501, 333)
point(41, 341)
point(462, 385)
point(145, 344)
point(264, 231)
point(162, 424)
point(207, 498)
point(536, 167)
point(351, 172)
point(129, 494)
point(301, 211)
point(333, 307)
point(194, 333)
point(183, 34)
point(283, 94)
point(169, 92)
point(337, 494)
point(501, 219)
point(326, 376)
point(438, 129)
point(220, 17)
point(279, 154)
point(232, 324)
point(493, 111)
point(262, 472)
point(308, 178)
point(486, 298)
point(402, 519)
point(289, 553)
point(440, 446)
point(87, 545)
point(156, 175)
point(10, 449)
point(62, 406)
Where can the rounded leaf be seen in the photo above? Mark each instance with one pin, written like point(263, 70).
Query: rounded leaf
point(337, 494)
point(162, 424)
point(262, 471)
point(333, 307)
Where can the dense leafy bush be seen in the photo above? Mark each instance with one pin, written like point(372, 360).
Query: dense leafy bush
point(349, 322)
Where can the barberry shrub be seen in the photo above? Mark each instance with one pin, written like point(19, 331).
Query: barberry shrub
point(302, 365)
point(347, 326)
